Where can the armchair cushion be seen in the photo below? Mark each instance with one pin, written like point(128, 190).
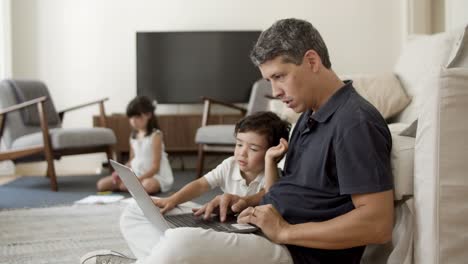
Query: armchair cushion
point(28, 90)
point(15, 127)
point(216, 134)
point(63, 138)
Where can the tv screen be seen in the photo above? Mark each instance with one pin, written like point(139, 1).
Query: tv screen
point(180, 67)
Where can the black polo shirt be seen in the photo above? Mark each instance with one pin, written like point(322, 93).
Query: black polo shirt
point(340, 150)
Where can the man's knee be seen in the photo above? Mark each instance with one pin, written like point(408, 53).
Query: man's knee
point(129, 214)
point(180, 245)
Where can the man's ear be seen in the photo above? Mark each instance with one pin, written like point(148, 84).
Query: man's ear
point(313, 60)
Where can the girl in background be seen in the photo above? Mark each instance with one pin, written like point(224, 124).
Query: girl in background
point(148, 158)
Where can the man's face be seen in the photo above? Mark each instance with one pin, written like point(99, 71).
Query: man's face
point(291, 83)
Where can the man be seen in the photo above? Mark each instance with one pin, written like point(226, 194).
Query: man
point(335, 195)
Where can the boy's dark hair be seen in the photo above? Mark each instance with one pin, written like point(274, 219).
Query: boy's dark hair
point(265, 123)
point(143, 105)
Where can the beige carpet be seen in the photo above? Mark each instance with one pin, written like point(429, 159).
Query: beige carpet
point(59, 234)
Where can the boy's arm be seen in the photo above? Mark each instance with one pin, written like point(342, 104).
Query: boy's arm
point(187, 193)
point(271, 173)
point(191, 190)
point(272, 157)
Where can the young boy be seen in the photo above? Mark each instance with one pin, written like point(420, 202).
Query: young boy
point(261, 140)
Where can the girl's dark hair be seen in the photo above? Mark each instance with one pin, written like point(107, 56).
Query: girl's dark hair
point(143, 105)
point(265, 123)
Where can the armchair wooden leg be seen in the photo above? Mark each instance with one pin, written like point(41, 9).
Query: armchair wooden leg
point(200, 160)
point(109, 153)
point(48, 152)
point(51, 170)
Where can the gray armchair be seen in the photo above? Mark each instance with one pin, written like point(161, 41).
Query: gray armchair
point(35, 133)
point(220, 138)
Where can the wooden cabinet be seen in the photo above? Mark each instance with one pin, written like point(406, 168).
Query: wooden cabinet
point(179, 130)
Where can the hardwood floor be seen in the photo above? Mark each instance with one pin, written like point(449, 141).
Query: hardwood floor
point(90, 164)
point(71, 165)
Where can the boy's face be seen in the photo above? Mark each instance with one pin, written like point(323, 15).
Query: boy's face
point(250, 152)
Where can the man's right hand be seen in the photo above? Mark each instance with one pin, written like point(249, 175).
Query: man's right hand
point(224, 203)
point(165, 204)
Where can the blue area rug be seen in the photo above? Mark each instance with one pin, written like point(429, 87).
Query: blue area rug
point(32, 192)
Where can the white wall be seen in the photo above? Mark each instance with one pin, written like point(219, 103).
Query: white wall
point(456, 13)
point(5, 39)
point(85, 49)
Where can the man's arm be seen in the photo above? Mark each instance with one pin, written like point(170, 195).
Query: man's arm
point(371, 222)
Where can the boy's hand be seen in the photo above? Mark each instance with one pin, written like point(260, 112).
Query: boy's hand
point(115, 178)
point(166, 204)
point(276, 153)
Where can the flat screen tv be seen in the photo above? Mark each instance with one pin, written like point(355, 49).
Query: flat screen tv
point(180, 67)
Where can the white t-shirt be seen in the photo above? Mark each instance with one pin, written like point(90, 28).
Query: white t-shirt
point(227, 176)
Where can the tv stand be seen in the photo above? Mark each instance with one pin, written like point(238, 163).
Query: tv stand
point(178, 131)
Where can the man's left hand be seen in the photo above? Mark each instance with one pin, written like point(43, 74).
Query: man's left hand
point(267, 218)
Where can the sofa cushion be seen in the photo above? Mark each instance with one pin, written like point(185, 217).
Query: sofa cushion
point(410, 131)
point(421, 58)
point(383, 91)
point(459, 54)
point(402, 161)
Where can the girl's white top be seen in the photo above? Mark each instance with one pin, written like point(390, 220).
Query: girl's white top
point(143, 160)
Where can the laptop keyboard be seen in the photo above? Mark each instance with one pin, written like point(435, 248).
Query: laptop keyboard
point(189, 220)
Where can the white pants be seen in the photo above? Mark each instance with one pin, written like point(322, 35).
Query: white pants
point(195, 245)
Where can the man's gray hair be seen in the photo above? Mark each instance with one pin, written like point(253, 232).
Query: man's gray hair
point(290, 38)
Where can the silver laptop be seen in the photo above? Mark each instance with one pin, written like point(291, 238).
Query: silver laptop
point(163, 222)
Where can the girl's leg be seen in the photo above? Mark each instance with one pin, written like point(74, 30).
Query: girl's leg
point(122, 187)
point(151, 185)
point(106, 184)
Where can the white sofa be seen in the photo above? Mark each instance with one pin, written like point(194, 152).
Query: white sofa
point(430, 163)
